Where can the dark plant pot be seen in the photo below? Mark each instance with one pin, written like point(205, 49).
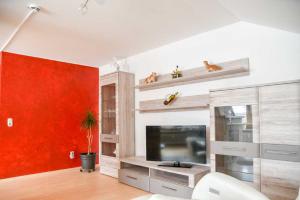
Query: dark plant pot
point(88, 161)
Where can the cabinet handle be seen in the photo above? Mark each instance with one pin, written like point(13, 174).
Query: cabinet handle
point(168, 188)
point(234, 148)
point(281, 152)
point(131, 177)
point(107, 138)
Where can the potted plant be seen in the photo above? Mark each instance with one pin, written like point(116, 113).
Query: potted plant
point(88, 160)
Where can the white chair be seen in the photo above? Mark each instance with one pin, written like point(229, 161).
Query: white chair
point(217, 186)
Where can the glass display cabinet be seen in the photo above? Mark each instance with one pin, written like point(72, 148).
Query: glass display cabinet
point(108, 116)
point(234, 124)
point(235, 135)
point(116, 120)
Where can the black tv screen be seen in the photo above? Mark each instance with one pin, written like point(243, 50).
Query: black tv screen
point(176, 143)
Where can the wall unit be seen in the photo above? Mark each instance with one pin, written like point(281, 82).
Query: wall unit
point(116, 120)
point(235, 134)
point(148, 176)
point(262, 145)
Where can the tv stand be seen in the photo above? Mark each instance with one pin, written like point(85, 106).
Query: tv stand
point(149, 176)
point(175, 164)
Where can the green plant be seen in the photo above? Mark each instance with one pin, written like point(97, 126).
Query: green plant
point(88, 123)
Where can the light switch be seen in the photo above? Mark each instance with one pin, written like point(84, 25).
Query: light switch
point(9, 122)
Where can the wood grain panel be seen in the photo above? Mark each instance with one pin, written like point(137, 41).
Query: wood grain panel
point(107, 161)
point(108, 170)
point(109, 79)
point(244, 149)
point(280, 180)
point(280, 114)
point(179, 104)
point(230, 69)
point(126, 114)
point(247, 96)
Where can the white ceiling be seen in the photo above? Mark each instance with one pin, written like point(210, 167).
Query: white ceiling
point(126, 27)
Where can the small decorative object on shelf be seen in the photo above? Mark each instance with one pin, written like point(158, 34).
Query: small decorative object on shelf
point(170, 98)
point(176, 73)
point(211, 68)
point(151, 78)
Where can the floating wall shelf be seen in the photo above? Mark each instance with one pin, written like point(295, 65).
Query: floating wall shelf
point(230, 69)
point(180, 104)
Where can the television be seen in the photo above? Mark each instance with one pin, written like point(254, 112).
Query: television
point(185, 144)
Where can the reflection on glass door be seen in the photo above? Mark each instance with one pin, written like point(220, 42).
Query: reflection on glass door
point(236, 166)
point(108, 109)
point(234, 124)
point(108, 118)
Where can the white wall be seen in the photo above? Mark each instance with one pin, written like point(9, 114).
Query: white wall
point(274, 56)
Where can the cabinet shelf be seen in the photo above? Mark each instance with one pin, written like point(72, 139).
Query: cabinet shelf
point(180, 104)
point(230, 69)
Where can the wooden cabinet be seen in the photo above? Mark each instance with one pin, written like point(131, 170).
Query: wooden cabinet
point(116, 120)
point(280, 114)
point(280, 137)
point(235, 134)
point(148, 176)
point(266, 138)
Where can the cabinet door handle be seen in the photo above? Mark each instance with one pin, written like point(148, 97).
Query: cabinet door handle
point(169, 188)
point(281, 152)
point(234, 148)
point(131, 177)
point(107, 138)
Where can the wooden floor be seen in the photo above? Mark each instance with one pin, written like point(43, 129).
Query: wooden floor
point(66, 185)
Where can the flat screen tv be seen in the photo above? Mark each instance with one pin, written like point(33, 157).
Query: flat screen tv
point(176, 143)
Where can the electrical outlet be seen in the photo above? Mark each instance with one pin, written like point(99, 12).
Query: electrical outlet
point(72, 155)
point(9, 122)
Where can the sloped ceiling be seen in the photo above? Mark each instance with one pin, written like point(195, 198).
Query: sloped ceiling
point(281, 14)
point(121, 28)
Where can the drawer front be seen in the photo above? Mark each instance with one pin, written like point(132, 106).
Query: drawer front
point(243, 149)
point(109, 138)
point(109, 162)
point(246, 96)
point(109, 171)
point(280, 180)
point(165, 188)
point(134, 179)
point(281, 152)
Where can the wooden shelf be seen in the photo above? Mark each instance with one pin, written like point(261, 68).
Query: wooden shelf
point(230, 69)
point(181, 103)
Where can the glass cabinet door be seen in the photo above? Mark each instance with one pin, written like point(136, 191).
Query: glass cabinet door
point(234, 123)
point(108, 149)
point(236, 166)
point(108, 118)
point(108, 113)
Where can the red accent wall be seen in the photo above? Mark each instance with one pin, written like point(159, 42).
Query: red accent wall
point(47, 101)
